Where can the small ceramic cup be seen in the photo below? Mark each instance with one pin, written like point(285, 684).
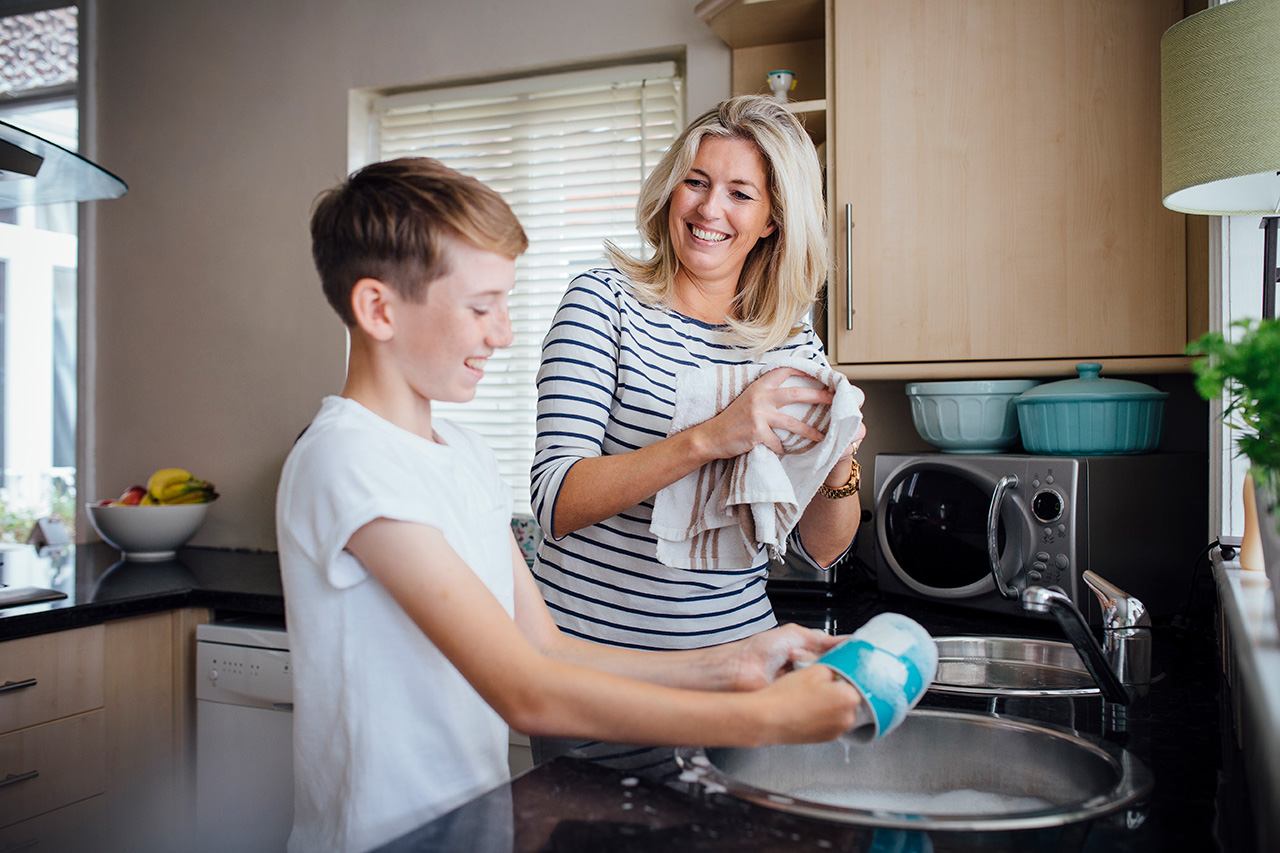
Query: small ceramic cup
point(780, 83)
point(892, 661)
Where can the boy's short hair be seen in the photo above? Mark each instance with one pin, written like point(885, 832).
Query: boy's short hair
point(389, 220)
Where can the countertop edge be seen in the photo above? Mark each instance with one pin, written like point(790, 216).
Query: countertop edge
point(18, 625)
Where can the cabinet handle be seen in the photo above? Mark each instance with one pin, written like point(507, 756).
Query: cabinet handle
point(848, 267)
point(9, 686)
point(15, 778)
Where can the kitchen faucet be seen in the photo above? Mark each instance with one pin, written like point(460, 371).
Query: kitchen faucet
point(1121, 666)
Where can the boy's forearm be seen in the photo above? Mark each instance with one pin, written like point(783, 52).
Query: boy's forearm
point(743, 665)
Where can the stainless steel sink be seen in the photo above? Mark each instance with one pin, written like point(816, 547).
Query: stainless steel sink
point(940, 770)
point(1010, 666)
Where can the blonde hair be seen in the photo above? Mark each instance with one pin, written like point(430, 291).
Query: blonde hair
point(785, 271)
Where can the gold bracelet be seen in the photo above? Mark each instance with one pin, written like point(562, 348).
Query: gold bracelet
point(849, 488)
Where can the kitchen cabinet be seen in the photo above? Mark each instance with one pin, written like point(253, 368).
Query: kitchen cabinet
point(993, 184)
point(97, 734)
point(772, 35)
point(52, 746)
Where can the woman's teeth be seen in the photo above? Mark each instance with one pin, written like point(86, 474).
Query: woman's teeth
point(710, 236)
point(476, 363)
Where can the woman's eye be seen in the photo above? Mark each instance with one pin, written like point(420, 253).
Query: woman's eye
point(692, 182)
point(741, 196)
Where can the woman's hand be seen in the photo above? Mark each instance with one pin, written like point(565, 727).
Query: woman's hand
point(842, 469)
point(760, 659)
point(757, 415)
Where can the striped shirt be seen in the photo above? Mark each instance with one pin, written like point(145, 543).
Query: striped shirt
point(607, 386)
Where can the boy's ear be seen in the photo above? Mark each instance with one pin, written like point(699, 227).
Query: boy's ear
point(371, 305)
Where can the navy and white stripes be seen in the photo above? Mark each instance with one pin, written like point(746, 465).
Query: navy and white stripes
point(607, 386)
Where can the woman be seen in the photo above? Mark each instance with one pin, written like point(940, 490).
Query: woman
point(736, 215)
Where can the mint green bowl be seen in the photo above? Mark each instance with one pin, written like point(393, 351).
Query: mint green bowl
point(967, 416)
point(1091, 416)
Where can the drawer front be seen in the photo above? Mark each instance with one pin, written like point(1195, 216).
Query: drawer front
point(74, 827)
point(45, 767)
point(50, 676)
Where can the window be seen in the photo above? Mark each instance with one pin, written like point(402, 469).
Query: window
point(568, 152)
point(1237, 242)
point(39, 73)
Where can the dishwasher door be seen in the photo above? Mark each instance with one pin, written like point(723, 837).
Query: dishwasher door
point(244, 738)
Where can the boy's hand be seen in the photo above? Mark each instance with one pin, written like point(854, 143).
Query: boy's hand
point(759, 660)
point(810, 705)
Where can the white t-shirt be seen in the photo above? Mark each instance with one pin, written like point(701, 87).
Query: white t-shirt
point(387, 734)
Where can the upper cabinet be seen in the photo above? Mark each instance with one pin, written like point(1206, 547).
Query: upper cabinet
point(772, 35)
point(994, 187)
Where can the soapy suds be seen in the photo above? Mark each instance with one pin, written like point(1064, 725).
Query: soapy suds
point(966, 801)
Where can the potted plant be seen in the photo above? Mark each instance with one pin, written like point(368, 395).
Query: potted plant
point(1248, 372)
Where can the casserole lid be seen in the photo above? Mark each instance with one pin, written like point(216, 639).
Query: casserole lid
point(1090, 386)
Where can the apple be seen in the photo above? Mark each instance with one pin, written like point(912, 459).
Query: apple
point(132, 496)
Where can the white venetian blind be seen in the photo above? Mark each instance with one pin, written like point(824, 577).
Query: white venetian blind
point(568, 152)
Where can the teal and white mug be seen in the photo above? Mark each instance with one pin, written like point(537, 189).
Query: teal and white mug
point(892, 661)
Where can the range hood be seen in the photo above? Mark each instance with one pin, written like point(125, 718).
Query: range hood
point(34, 170)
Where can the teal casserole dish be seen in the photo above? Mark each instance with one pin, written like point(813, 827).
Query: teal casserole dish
point(1091, 415)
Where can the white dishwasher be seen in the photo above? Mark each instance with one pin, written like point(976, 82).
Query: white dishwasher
point(244, 737)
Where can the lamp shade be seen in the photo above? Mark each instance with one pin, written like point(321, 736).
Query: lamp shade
point(1220, 110)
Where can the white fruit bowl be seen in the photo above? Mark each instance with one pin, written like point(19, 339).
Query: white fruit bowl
point(147, 532)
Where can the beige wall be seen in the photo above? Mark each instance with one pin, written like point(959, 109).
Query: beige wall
point(213, 343)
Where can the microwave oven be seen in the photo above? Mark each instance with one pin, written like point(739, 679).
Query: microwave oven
point(1140, 521)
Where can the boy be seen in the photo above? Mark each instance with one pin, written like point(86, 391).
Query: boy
point(418, 633)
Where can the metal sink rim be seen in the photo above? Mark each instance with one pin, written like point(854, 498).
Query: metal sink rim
point(1057, 656)
point(1133, 784)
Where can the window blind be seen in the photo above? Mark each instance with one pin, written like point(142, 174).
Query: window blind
point(568, 152)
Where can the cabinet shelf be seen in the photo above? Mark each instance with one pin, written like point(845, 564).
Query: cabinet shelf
point(751, 23)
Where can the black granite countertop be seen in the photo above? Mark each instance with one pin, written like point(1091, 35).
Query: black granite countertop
point(571, 804)
point(99, 585)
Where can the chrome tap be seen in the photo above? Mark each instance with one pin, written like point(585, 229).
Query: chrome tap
point(1121, 666)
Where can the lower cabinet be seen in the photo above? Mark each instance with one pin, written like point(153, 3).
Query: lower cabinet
point(97, 736)
point(51, 765)
point(70, 828)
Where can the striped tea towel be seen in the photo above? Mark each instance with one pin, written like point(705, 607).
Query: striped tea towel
point(718, 516)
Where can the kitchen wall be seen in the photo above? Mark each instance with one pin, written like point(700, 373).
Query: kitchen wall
point(213, 343)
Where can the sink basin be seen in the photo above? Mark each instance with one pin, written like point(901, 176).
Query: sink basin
point(1010, 666)
point(940, 770)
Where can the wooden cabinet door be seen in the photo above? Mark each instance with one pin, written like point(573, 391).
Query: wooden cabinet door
point(999, 162)
point(49, 676)
point(48, 766)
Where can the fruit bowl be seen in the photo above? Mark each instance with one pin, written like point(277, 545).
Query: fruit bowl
point(147, 532)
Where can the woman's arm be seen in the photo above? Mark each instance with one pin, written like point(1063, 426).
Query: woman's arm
point(598, 488)
point(538, 694)
point(829, 524)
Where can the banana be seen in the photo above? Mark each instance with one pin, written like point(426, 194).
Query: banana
point(166, 480)
point(178, 486)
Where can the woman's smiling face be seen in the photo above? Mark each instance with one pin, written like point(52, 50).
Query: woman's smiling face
point(720, 210)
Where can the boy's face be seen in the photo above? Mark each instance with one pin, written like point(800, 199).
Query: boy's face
point(447, 339)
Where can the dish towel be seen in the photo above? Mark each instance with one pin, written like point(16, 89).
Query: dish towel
point(718, 516)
